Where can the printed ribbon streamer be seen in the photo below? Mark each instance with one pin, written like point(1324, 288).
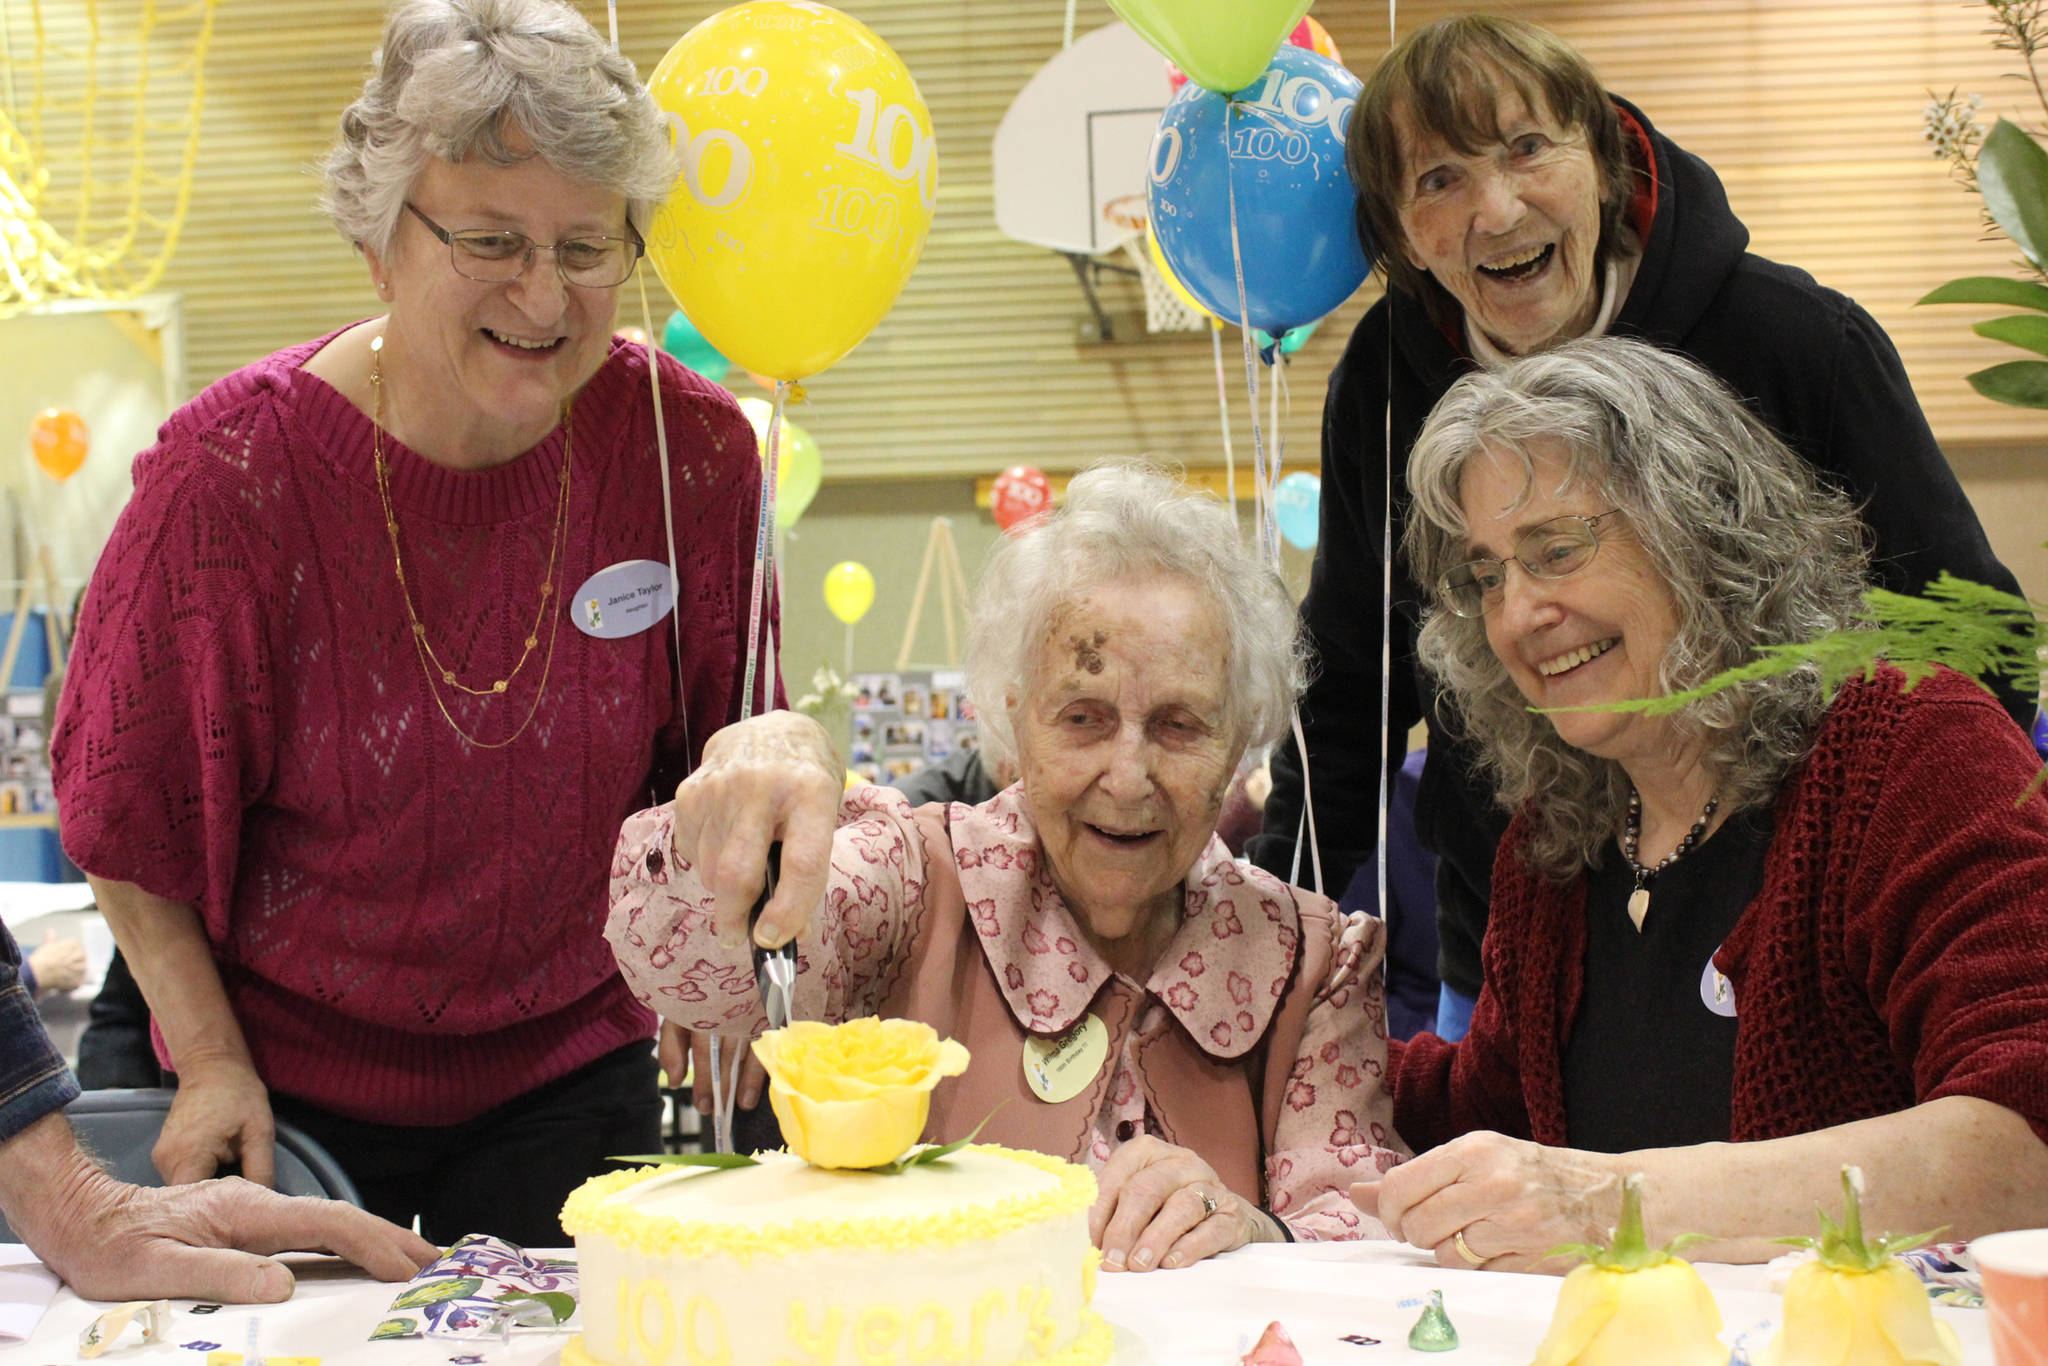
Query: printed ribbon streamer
point(482, 1287)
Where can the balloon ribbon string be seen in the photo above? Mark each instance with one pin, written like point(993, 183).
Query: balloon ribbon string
point(1223, 405)
point(668, 522)
point(1387, 741)
point(1260, 481)
point(764, 567)
point(1277, 389)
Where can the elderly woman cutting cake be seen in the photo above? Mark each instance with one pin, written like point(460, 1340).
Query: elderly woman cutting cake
point(1133, 998)
point(1736, 945)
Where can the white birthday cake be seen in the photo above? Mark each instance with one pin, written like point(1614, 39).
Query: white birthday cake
point(980, 1258)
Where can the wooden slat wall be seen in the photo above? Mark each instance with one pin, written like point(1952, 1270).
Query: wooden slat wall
point(1809, 110)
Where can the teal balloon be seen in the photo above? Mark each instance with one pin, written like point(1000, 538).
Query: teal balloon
point(682, 340)
point(1298, 509)
point(1290, 341)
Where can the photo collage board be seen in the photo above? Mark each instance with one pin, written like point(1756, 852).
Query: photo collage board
point(25, 785)
point(906, 721)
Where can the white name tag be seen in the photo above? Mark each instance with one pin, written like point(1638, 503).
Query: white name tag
point(621, 600)
point(1717, 993)
point(1060, 1067)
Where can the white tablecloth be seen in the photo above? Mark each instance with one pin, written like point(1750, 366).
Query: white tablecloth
point(1200, 1316)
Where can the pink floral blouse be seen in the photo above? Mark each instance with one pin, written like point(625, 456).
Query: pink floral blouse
point(1219, 979)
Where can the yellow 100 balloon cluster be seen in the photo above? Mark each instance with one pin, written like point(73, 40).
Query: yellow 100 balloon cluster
point(808, 174)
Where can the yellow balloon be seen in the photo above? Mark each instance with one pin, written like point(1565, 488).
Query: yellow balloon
point(1180, 291)
point(809, 171)
point(849, 590)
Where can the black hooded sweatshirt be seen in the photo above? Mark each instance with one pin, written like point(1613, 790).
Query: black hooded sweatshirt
point(1810, 362)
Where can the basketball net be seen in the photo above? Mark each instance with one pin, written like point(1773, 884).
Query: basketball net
point(1165, 309)
point(122, 179)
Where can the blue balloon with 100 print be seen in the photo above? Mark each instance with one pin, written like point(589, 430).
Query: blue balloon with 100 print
point(1279, 142)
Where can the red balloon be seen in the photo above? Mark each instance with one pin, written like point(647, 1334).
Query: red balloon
point(59, 438)
point(1020, 491)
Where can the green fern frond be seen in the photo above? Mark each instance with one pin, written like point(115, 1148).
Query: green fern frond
point(1979, 632)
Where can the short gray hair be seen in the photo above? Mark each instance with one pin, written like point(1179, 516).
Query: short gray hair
point(461, 78)
point(1754, 549)
point(1122, 520)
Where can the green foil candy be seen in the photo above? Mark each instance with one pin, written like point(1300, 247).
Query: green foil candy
point(1433, 1331)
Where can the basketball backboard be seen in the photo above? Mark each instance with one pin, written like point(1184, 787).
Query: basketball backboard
point(1077, 139)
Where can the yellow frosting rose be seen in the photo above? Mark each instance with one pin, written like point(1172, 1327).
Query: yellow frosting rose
point(855, 1094)
point(1663, 1314)
point(1858, 1304)
point(1837, 1317)
point(1632, 1303)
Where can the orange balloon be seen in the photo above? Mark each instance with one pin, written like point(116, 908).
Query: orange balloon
point(59, 438)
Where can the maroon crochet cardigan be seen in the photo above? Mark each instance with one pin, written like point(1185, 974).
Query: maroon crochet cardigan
point(1898, 951)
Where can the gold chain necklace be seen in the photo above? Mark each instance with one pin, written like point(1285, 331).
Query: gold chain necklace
point(430, 661)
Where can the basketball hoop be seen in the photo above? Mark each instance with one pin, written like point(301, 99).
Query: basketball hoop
point(1127, 212)
point(1166, 310)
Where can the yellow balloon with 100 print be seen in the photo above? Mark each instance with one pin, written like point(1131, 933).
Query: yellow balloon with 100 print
point(808, 175)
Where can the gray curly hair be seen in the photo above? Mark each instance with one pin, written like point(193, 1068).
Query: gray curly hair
point(1753, 548)
point(1123, 520)
point(499, 79)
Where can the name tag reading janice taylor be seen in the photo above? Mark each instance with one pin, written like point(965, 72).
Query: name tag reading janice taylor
point(622, 599)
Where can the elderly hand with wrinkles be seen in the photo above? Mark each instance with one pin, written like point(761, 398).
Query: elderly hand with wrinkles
point(768, 778)
point(1163, 1206)
point(1486, 1200)
point(773, 777)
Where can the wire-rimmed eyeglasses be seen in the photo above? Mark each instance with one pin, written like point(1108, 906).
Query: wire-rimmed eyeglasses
point(498, 255)
point(1557, 549)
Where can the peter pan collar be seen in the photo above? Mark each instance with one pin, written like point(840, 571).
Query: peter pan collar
point(1222, 975)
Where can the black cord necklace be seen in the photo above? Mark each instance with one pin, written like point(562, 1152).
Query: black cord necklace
point(1631, 831)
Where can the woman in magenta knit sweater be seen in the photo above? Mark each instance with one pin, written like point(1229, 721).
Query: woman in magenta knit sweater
point(337, 749)
point(1734, 946)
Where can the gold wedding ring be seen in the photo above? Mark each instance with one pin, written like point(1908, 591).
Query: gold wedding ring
point(1208, 1202)
point(1465, 1249)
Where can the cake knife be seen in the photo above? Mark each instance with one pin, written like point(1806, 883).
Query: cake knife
point(774, 969)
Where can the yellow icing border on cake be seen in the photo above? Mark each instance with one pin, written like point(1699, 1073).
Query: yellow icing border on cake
point(590, 1210)
point(1092, 1347)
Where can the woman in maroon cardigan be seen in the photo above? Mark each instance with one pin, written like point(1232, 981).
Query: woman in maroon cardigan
point(1742, 942)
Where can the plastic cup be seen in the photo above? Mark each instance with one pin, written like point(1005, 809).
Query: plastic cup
point(2015, 1267)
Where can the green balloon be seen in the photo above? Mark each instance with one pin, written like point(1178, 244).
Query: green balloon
point(799, 466)
point(1223, 45)
point(798, 472)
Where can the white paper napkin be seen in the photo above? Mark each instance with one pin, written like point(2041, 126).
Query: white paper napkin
point(26, 1289)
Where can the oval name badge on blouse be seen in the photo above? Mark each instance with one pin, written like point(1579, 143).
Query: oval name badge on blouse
point(1059, 1067)
point(621, 600)
point(1717, 993)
